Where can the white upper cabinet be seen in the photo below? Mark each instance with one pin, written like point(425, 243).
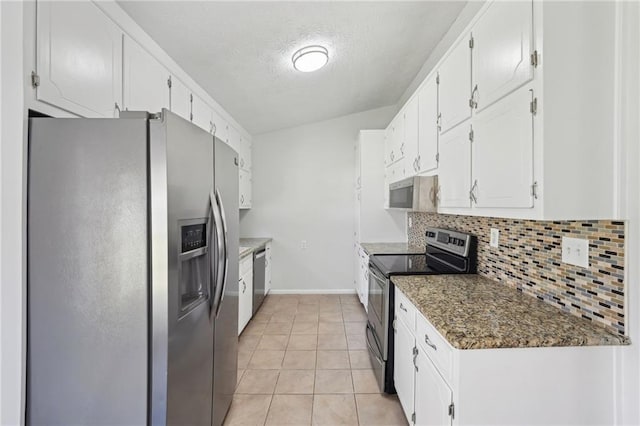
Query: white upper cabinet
point(201, 114)
point(454, 172)
point(219, 126)
point(410, 116)
point(79, 59)
point(180, 99)
point(145, 81)
point(246, 191)
point(502, 48)
point(502, 152)
point(428, 126)
point(455, 85)
point(233, 139)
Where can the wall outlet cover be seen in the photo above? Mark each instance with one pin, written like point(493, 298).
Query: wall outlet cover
point(494, 240)
point(410, 222)
point(575, 251)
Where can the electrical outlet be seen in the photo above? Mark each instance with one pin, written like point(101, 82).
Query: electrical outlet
point(410, 222)
point(575, 251)
point(303, 244)
point(494, 240)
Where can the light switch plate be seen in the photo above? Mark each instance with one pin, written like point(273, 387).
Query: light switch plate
point(303, 244)
point(410, 223)
point(494, 240)
point(575, 251)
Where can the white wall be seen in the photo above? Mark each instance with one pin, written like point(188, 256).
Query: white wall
point(12, 261)
point(303, 189)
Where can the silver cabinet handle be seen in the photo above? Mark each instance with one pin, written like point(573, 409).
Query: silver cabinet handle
point(117, 108)
point(392, 156)
point(439, 122)
point(473, 103)
point(402, 148)
point(242, 199)
point(472, 193)
point(428, 342)
point(415, 356)
point(402, 307)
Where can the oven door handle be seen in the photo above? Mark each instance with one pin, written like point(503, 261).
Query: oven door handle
point(382, 280)
point(371, 349)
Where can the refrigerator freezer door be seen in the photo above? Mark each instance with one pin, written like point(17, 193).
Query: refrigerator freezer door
point(189, 175)
point(87, 272)
point(226, 322)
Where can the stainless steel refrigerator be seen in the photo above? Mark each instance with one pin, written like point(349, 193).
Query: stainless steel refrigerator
point(132, 272)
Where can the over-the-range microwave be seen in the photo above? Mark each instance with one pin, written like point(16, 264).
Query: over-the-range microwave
point(419, 193)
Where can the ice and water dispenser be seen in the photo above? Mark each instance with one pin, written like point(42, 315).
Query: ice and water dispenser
point(193, 265)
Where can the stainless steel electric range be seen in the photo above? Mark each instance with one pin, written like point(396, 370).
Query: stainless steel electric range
point(446, 252)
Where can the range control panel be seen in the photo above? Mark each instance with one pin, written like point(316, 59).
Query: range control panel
point(193, 237)
point(452, 241)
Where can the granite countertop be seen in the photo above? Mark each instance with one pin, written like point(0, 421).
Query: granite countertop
point(474, 312)
point(249, 245)
point(391, 248)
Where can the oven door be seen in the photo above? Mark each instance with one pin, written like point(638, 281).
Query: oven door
point(378, 312)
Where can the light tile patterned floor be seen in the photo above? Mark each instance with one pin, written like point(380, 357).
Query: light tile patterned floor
point(303, 361)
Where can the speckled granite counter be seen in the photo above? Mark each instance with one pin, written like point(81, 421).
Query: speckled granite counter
point(391, 248)
point(474, 312)
point(249, 245)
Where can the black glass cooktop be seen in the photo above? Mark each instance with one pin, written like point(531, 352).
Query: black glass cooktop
point(436, 262)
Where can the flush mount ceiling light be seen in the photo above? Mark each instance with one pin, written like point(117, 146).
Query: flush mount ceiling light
point(310, 58)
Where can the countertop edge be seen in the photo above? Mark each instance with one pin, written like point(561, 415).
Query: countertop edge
point(252, 245)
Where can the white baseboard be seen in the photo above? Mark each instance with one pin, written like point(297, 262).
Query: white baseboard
point(317, 291)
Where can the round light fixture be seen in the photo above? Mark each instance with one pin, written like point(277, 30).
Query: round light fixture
point(310, 58)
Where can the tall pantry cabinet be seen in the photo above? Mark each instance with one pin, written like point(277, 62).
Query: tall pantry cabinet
point(373, 223)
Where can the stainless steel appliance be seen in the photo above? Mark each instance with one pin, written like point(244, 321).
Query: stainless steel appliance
point(419, 193)
point(132, 272)
point(259, 273)
point(447, 252)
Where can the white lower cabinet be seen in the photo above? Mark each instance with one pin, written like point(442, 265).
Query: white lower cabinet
point(438, 384)
point(245, 292)
point(362, 275)
point(267, 270)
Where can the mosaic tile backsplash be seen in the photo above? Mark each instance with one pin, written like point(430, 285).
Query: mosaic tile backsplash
point(530, 259)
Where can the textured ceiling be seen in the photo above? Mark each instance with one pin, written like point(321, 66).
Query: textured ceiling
point(240, 52)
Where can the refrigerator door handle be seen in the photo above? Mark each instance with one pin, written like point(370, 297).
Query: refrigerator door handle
point(223, 260)
point(215, 274)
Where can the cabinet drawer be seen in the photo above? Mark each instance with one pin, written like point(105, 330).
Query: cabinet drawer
point(246, 264)
point(435, 346)
point(405, 310)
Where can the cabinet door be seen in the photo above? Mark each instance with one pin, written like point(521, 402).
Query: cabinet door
point(145, 80)
point(245, 189)
point(219, 126)
point(403, 367)
point(246, 148)
point(503, 153)
point(411, 118)
point(180, 99)
point(432, 394)
point(455, 86)
point(268, 269)
point(201, 114)
point(388, 144)
point(428, 126)
point(454, 171)
point(79, 58)
point(399, 144)
point(245, 300)
point(503, 39)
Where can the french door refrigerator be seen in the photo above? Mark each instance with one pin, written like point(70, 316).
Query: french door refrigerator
point(132, 272)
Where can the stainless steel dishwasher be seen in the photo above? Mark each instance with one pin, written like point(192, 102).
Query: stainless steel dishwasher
point(259, 265)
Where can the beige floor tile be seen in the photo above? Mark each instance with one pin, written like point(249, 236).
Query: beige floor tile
point(353, 308)
point(261, 316)
point(308, 307)
point(254, 328)
point(278, 328)
point(258, 382)
point(330, 327)
point(355, 327)
point(334, 410)
point(290, 410)
point(359, 359)
point(303, 342)
point(335, 341)
point(299, 360)
point(248, 410)
point(273, 342)
point(266, 360)
point(349, 299)
point(333, 360)
point(379, 410)
point(239, 376)
point(248, 342)
point(331, 308)
point(304, 327)
point(356, 341)
point(333, 381)
point(281, 316)
point(295, 381)
point(354, 316)
point(331, 316)
point(364, 381)
point(243, 359)
point(307, 316)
